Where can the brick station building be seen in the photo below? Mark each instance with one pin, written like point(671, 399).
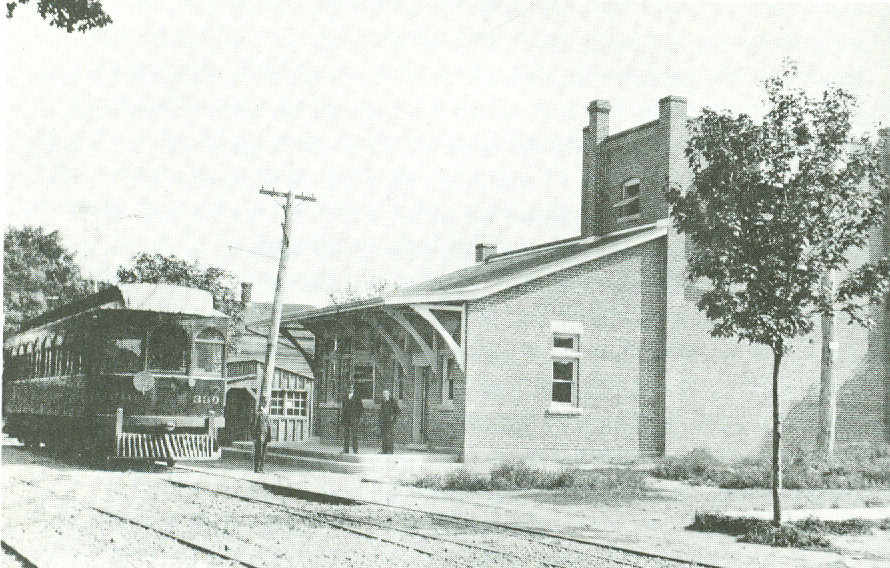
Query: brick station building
point(592, 347)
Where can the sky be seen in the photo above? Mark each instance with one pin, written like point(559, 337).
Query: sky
point(421, 128)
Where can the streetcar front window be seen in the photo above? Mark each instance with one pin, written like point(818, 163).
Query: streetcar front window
point(123, 354)
point(209, 348)
point(167, 348)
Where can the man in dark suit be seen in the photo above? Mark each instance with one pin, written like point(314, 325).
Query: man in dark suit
point(350, 417)
point(389, 411)
point(262, 433)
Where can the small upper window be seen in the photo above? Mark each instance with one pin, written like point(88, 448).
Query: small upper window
point(565, 341)
point(628, 204)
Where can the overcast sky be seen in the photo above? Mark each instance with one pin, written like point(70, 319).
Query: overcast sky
point(421, 128)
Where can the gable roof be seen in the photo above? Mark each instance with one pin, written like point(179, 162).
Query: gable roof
point(503, 271)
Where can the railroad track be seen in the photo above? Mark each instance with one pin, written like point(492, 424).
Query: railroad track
point(190, 544)
point(451, 540)
point(551, 541)
point(21, 558)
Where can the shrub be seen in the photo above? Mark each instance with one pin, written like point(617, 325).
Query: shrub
point(807, 533)
point(785, 535)
point(463, 480)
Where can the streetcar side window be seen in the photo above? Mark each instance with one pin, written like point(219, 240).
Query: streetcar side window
point(209, 350)
point(167, 348)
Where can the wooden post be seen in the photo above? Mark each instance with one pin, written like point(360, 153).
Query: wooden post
point(118, 430)
point(211, 431)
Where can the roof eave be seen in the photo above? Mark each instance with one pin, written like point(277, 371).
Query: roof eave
point(479, 291)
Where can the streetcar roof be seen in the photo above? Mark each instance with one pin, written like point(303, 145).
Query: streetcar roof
point(164, 298)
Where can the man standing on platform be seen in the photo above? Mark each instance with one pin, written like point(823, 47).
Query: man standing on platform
point(350, 418)
point(389, 411)
point(262, 433)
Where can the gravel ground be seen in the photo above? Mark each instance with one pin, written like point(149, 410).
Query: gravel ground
point(51, 522)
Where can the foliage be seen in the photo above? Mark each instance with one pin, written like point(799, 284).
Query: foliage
point(158, 268)
point(806, 533)
point(373, 290)
point(38, 273)
point(850, 467)
point(776, 205)
point(70, 15)
point(511, 476)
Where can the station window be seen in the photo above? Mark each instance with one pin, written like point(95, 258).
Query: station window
point(628, 204)
point(566, 357)
point(167, 348)
point(363, 379)
point(209, 349)
point(400, 381)
point(289, 403)
point(448, 380)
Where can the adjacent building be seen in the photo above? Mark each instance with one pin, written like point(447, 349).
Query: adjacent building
point(588, 348)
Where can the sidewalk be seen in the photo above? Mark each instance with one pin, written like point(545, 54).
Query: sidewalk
point(652, 525)
point(369, 462)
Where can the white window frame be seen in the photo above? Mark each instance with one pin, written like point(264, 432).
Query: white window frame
point(566, 330)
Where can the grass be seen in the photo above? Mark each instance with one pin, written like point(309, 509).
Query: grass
point(607, 484)
point(852, 467)
point(806, 533)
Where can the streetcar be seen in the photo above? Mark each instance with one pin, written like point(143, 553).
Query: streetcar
point(135, 371)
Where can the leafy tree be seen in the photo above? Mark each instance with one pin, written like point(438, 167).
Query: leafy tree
point(38, 273)
point(161, 269)
point(158, 268)
point(774, 206)
point(70, 15)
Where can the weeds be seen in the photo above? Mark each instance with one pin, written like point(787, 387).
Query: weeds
point(853, 467)
point(607, 483)
point(807, 533)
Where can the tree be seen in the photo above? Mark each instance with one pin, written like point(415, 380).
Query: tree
point(158, 268)
point(773, 207)
point(372, 290)
point(70, 15)
point(38, 273)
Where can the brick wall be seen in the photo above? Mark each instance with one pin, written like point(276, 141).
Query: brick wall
point(509, 363)
point(718, 391)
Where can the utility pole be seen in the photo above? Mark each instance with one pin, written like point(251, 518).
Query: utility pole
point(265, 390)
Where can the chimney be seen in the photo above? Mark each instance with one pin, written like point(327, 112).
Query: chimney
point(673, 122)
point(246, 292)
point(484, 251)
point(594, 134)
